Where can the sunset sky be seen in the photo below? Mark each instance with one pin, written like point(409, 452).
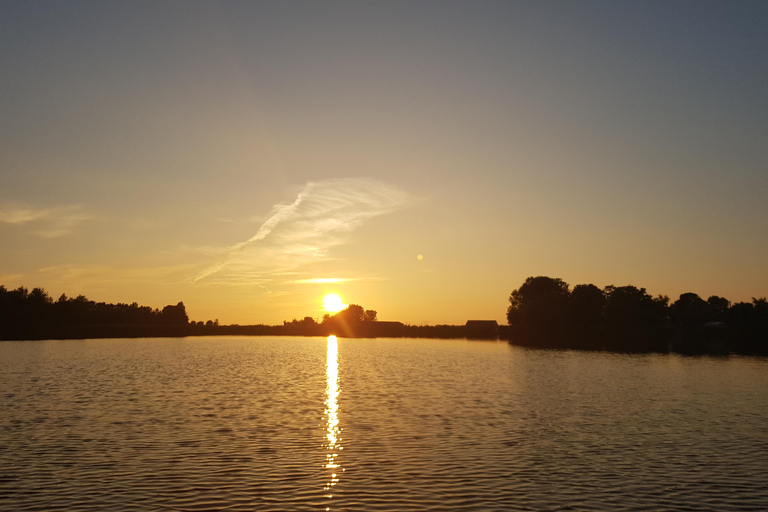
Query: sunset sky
point(417, 158)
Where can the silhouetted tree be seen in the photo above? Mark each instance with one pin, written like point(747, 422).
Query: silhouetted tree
point(587, 303)
point(760, 308)
point(748, 324)
point(40, 307)
point(719, 308)
point(690, 310)
point(540, 303)
point(353, 314)
point(305, 327)
point(543, 312)
point(353, 321)
point(32, 315)
point(175, 315)
point(629, 306)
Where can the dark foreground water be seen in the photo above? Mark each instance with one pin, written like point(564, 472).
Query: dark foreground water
point(315, 424)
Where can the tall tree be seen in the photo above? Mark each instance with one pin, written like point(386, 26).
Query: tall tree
point(540, 302)
point(587, 303)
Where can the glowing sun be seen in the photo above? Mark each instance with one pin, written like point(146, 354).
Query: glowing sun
point(332, 303)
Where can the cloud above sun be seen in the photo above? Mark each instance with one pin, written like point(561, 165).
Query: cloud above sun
point(321, 216)
point(322, 280)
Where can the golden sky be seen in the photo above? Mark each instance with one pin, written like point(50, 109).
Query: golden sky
point(417, 158)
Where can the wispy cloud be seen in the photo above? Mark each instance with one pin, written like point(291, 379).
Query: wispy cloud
point(331, 280)
point(321, 280)
point(46, 222)
point(93, 278)
point(321, 216)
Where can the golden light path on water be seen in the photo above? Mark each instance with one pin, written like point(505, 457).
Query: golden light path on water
point(333, 437)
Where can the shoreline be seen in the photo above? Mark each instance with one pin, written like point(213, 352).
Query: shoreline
point(693, 342)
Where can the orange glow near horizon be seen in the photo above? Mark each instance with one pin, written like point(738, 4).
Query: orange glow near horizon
point(255, 195)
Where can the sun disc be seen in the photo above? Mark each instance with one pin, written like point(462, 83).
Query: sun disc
point(333, 303)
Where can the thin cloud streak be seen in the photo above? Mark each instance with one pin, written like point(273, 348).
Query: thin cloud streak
point(48, 222)
point(322, 216)
point(106, 274)
point(279, 212)
point(321, 280)
point(331, 280)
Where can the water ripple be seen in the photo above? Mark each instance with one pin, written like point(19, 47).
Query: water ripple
point(278, 424)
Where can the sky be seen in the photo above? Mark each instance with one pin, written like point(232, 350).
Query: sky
point(418, 158)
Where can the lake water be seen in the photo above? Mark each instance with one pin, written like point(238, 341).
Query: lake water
point(241, 424)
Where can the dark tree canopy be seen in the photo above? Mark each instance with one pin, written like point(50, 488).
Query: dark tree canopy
point(354, 314)
point(25, 314)
point(719, 307)
point(353, 321)
point(587, 303)
point(632, 307)
point(542, 312)
point(538, 303)
point(691, 310)
point(175, 315)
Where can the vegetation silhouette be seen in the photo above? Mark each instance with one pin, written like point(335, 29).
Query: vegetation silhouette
point(352, 322)
point(35, 315)
point(544, 312)
point(26, 315)
point(357, 322)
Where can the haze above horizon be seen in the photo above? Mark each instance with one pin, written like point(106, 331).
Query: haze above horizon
point(417, 158)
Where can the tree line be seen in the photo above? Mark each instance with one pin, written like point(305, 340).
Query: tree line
point(354, 321)
point(34, 314)
point(542, 312)
point(545, 311)
point(28, 314)
point(357, 322)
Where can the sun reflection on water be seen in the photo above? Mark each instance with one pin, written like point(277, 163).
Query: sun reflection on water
point(333, 434)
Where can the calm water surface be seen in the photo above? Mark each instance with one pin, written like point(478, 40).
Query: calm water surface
point(318, 424)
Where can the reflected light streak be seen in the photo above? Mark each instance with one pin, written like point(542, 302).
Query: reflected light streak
point(333, 433)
